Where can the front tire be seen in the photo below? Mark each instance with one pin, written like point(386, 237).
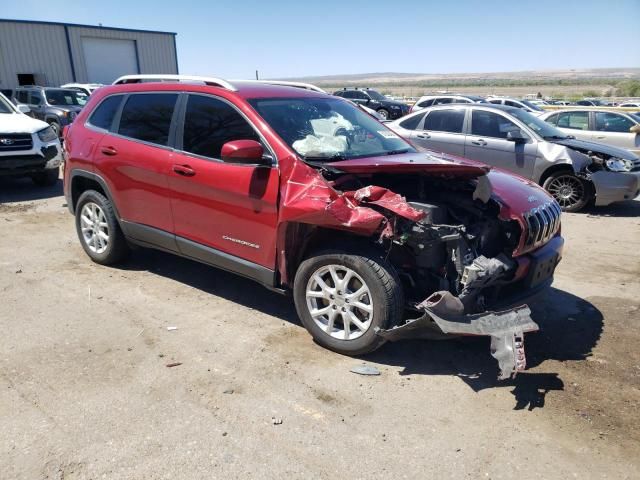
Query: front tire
point(48, 178)
point(342, 297)
point(98, 229)
point(571, 192)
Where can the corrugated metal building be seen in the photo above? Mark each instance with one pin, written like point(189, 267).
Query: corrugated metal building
point(52, 54)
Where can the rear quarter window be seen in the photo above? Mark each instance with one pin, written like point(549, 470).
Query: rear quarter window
point(147, 117)
point(102, 116)
point(411, 123)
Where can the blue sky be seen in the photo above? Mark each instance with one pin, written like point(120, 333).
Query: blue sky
point(302, 37)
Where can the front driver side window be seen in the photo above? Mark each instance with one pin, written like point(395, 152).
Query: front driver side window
point(210, 123)
point(489, 124)
point(612, 122)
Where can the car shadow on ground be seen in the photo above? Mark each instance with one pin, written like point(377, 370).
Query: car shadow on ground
point(629, 208)
point(14, 190)
point(570, 327)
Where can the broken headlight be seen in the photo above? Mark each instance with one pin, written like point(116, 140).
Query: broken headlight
point(618, 165)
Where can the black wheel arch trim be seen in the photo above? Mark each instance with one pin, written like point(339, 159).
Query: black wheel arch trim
point(78, 172)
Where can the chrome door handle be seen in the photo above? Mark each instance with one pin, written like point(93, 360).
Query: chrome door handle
point(480, 142)
point(423, 135)
point(601, 137)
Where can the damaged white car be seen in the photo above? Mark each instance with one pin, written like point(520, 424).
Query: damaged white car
point(574, 171)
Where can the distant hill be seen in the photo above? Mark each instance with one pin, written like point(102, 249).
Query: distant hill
point(574, 76)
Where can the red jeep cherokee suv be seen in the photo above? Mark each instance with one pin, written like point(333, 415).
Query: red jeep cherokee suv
point(305, 193)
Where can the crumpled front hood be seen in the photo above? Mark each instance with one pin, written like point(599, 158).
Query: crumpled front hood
point(20, 123)
point(596, 148)
point(419, 162)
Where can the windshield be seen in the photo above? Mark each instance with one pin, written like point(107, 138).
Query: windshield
point(542, 128)
point(376, 95)
point(328, 128)
point(66, 97)
point(4, 105)
point(532, 106)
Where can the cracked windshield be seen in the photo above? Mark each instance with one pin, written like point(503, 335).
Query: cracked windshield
point(328, 129)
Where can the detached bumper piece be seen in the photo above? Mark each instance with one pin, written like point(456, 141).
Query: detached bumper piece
point(444, 314)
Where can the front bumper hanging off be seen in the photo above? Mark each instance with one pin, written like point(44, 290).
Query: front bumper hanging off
point(444, 314)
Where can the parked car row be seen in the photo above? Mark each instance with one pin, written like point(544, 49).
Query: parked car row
point(574, 171)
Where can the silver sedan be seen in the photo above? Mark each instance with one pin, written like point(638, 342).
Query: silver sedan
point(619, 129)
point(573, 171)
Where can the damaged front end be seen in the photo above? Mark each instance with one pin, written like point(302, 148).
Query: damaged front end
point(466, 238)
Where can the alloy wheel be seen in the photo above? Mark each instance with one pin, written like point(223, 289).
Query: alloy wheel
point(95, 230)
point(568, 190)
point(339, 302)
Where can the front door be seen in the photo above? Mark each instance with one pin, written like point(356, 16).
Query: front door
point(488, 143)
point(230, 208)
point(613, 129)
point(442, 131)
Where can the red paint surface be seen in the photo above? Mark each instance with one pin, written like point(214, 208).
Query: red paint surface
point(253, 203)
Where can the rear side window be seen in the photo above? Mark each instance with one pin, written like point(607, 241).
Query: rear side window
point(102, 117)
point(445, 121)
point(210, 123)
point(442, 101)
point(147, 117)
point(552, 119)
point(576, 120)
point(411, 123)
point(426, 103)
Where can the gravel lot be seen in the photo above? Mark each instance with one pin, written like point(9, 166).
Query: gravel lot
point(85, 391)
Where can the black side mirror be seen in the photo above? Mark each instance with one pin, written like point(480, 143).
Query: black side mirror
point(516, 136)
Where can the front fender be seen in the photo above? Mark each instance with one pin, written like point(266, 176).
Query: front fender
point(552, 154)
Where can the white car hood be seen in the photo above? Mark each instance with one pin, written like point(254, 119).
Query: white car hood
point(19, 123)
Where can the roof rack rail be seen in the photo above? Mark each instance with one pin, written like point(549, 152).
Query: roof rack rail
point(212, 81)
point(284, 83)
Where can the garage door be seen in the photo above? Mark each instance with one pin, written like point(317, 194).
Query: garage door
point(107, 59)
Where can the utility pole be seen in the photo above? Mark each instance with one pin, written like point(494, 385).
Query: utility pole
point(257, 75)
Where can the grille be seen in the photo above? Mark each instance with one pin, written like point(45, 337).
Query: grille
point(15, 142)
point(542, 224)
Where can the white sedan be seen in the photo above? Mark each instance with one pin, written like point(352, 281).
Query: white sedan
point(618, 129)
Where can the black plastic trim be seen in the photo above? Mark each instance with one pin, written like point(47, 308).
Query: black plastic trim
point(77, 172)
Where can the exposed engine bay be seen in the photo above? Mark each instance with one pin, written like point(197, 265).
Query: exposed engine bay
point(460, 254)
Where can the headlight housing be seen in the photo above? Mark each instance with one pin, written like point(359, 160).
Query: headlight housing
point(618, 164)
point(47, 135)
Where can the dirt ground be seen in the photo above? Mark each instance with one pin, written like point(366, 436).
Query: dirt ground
point(85, 391)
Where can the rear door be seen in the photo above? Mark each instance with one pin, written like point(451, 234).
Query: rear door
point(574, 123)
point(613, 129)
point(36, 104)
point(230, 208)
point(136, 159)
point(442, 131)
point(487, 143)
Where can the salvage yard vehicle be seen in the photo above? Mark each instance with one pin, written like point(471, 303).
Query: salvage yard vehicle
point(433, 100)
point(618, 129)
point(28, 147)
point(573, 171)
point(526, 105)
point(56, 106)
point(375, 240)
point(388, 109)
point(87, 88)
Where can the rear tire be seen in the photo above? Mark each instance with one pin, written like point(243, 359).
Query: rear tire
point(384, 113)
point(98, 229)
point(570, 191)
point(343, 315)
point(47, 178)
